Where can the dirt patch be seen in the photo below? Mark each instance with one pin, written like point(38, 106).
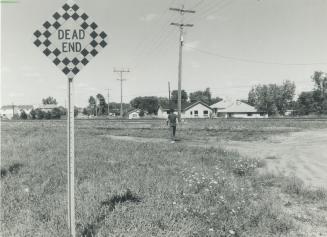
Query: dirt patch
point(302, 154)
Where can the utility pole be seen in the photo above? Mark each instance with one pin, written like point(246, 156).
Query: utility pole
point(181, 26)
point(120, 72)
point(169, 94)
point(108, 102)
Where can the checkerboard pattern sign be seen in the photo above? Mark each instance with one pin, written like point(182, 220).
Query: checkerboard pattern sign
point(70, 39)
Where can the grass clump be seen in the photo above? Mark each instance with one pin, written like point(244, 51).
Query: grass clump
point(295, 186)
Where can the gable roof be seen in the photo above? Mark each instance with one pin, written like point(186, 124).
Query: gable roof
point(238, 107)
point(196, 103)
point(185, 106)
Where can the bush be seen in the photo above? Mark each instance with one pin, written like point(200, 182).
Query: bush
point(23, 115)
point(55, 113)
point(39, 114)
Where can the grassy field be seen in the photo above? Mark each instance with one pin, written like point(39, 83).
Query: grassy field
point(126, 188)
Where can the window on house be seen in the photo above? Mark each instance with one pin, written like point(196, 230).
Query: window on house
point(191, 112)
point(205, 113)
point(196, 113)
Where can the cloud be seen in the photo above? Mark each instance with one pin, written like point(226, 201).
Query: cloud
point(149, 17)
point(16, 94)
point(211, 18)
point(32, 74)
point(195, 65)
point(190, 45)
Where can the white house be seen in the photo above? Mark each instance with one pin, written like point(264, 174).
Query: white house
point(198, 109)
point(134, 114)
point(236, 109)
point(8, 111)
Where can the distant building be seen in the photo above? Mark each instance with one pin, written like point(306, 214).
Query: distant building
point(8, 111)
point(197, 109)
point(47, 108)
point(134, 114)
point(236, 109)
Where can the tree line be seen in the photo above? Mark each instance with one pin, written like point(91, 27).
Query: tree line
point(277, 99)
point(38, 113)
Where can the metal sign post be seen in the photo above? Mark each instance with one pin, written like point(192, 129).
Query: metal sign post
point(71, 158)
point(70, 40)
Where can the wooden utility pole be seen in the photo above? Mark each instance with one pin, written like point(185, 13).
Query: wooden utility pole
point(108, 102)
point(181, 26)
point(121, 88)
point(169, 94)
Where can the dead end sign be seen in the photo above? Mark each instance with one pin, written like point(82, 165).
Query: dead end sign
point(70, 39)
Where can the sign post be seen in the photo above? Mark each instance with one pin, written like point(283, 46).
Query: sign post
point(70, 40)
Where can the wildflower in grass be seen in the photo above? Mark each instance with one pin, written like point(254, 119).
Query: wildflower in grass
point(232, 232)
point(211, 230)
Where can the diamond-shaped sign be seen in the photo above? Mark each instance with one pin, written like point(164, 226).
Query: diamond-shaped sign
point(70, 39)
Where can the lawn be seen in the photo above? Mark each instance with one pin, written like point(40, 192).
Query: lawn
point(126, 188)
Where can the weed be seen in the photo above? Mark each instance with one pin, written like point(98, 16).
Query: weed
point(15, 168)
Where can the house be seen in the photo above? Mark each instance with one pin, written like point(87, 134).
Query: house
point(197, 109)
point(47, 108)
point(8, 111)
point(134, 114)
point(236, 109)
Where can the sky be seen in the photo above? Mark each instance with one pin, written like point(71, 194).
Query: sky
point(234, 45)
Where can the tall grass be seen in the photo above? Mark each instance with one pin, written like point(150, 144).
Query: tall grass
point(130, 189)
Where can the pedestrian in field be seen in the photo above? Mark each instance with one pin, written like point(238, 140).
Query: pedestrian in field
point(172, 123)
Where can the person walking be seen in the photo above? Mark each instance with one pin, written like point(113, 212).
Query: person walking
point(172, 123)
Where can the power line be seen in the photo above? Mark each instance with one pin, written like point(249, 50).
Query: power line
point(252, 60)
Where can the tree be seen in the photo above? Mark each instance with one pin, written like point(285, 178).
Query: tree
point(23, 115)
point(215, 100)
point(39, 114)
point(92, 105)
point(273, 99)
point(49, 101)
point(174, 97)
point(75, 111)
point(320, 80)
point(55, 113)
point(102, 104)
point(306, 103)
point(33, 114)
point(142, 113)
point(204, 96)
point(147, 103)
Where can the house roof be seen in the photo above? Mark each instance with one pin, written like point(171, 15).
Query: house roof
point(50, 106)
point(222, 104)
point(185, 106)
point(196, 103)
point(238, 107)
point(174, 106)
point(134, 110)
